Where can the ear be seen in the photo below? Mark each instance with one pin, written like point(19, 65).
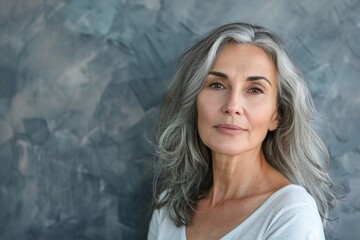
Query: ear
point(274, 122)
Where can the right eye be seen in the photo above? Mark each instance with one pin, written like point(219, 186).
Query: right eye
point(216, 85)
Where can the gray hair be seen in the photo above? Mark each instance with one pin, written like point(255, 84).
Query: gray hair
point(295, 149)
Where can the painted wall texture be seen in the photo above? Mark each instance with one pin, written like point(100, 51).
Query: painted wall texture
point(80, 87)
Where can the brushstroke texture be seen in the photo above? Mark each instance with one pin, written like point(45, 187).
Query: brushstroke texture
point(81, 83)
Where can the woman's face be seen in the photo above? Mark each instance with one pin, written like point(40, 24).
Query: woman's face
point(237, 105)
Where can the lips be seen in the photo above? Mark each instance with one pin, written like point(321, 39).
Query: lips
point(229, 128)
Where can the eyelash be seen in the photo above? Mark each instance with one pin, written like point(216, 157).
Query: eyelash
point(253, 90)
point(219, 85)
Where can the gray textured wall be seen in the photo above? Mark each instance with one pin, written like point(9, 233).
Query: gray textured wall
point(81, 82)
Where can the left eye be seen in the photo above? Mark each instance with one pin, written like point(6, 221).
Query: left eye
point(255, 90)
point(216, 85)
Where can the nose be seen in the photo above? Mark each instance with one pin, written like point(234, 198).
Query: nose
point(234, 103)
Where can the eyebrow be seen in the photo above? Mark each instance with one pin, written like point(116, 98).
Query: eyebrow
point(251, 78)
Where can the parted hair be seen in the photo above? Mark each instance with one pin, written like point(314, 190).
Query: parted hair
point(184, 166)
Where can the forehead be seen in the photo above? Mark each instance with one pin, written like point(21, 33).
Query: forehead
point(246, 57)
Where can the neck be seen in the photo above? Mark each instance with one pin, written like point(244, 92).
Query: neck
point(237, 176)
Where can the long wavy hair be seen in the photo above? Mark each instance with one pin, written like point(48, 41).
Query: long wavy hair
point(184, 166)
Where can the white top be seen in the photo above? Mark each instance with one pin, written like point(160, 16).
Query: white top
point(290, 213)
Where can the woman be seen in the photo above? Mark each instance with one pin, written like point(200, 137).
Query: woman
point(238, 154)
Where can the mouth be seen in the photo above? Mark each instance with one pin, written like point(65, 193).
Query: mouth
point(229, 128)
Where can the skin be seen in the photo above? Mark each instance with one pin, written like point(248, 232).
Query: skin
point(236, 108)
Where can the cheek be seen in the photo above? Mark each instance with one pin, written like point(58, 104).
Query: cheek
point(201, 114)
point(204, 117)
point(262, 117)
point(201, 106)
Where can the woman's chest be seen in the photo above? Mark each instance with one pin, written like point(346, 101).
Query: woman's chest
point(216, 222)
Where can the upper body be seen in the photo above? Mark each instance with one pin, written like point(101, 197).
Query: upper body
point(290, 213)
point(235, 133)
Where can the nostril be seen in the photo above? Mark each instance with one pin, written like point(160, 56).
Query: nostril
point(228, 109)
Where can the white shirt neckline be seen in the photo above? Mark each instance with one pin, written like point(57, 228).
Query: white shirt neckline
point(256, 212)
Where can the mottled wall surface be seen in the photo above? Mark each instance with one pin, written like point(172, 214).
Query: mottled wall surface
point(81, 83)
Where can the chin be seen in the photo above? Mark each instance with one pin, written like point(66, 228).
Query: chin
point(231, 149)
point(228, 151)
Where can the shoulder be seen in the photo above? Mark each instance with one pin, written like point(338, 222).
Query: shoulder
point(296, 215)
point(160, 214)
point(161, 226)
point(293, 196)
point(294, 199)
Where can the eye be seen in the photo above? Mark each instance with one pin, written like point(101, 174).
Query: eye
point(255, 90)
point(216, 85)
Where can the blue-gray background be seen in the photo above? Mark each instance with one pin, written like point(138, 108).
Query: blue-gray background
point(81, 83)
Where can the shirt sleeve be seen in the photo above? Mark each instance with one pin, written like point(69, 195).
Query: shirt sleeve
point(154, 225)
point(298, 223)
